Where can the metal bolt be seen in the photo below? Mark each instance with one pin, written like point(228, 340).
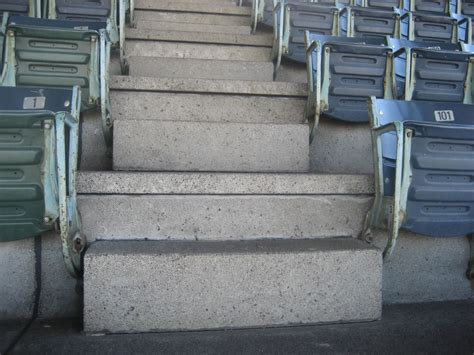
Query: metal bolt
point(409, 134)
point(47, 126)
point(11, 33)
point(93, 38)
point(46, 219)
point(91, 100)
point(67, 103)
point(381, 113)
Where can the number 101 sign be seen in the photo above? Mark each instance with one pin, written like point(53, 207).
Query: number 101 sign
point(444, 116)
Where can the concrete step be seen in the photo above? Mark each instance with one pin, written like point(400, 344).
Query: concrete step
point(197, 51)
point(153, 145)
point(142, 98)
point(260, 40)
point(200, 69)
point(191, 27)
point(212, 285)
point(193, 7)
point(209, 2)
point(222, 206)
point(192, 18)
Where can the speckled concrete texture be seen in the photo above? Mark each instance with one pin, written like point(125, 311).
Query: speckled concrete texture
point(155, 286)
point(152, 183)
point(206, 108)
point(200, 69)
point(192, 27)
point(197, 51)
point(222, 217)
point(425, 269)
point(260, 40)
point(209, 146)
point(224, 9)
point(196, 18)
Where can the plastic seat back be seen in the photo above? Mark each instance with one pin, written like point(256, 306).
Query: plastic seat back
point(79, 10)
point(381, 4)
point(366, 22)
point(440, 7)
point(299, 18)
point(60, 54)
point(429, 28)
point(437, 179)
point(434, 71)
point(21, 7)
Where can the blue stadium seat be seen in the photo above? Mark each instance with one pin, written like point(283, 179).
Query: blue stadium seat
point(381, 4)
point(434, 72)
point(71, 53)
point(368, 22)
point(342, 73)
point(430, 28)
point(424, 168)
point(292, 19)
point(39, 144)
point(30, 8)
point(440, 7)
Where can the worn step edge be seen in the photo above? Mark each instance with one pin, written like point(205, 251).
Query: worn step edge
point(194, 8)
point(152, 183)
point(193, 18)
point(199, 37)
point(242, 87)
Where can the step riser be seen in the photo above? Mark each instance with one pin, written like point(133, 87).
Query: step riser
point(244, 285)
point(200, 69)
point(206, 108)
point(203, 146)
point(205, 19)
point(184, 27)
point(197, 51)
point(222, 217)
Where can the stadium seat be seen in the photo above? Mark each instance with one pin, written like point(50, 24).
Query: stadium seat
point(112, 12)
point(30, 8)
point(440, 7)
point(367, 22)
point(430, 28)
point(424, 168)
point(437, 72)
point(60, 54)
point(39, 142)
point(292, 19)
point(381, 4)
point(342, 73)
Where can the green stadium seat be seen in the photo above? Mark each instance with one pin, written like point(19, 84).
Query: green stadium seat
point(39, 142)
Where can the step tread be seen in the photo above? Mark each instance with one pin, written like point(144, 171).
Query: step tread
point(208, 86)
point(188, 183)
point(266, 246)
point(147, 34)
point(192, 7)
point(193, 27)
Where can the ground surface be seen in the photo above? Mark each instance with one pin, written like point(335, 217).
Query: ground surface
point(446, 327)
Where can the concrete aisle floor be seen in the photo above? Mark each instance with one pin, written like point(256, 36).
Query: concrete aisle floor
point(446, 327)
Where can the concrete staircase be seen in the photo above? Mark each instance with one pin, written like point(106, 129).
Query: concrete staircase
point(210, 218)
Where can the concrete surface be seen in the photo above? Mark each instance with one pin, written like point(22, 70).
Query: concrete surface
point(198, 7)
point(433, 328)
point(197, 51)
point(208, 86)
point(256, 40)
point(202, 217)
point(200, 69)
point(93, 152)
point(222, 183)
point(160, 106)
point(209, 146)
point(425, 269)
point(17, 281)
point(211, 285)
point(190, 18)
point(192, 27)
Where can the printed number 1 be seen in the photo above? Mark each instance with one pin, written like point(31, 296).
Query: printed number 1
point(444, 116)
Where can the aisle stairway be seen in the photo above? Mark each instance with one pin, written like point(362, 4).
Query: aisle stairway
point(211, 219)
